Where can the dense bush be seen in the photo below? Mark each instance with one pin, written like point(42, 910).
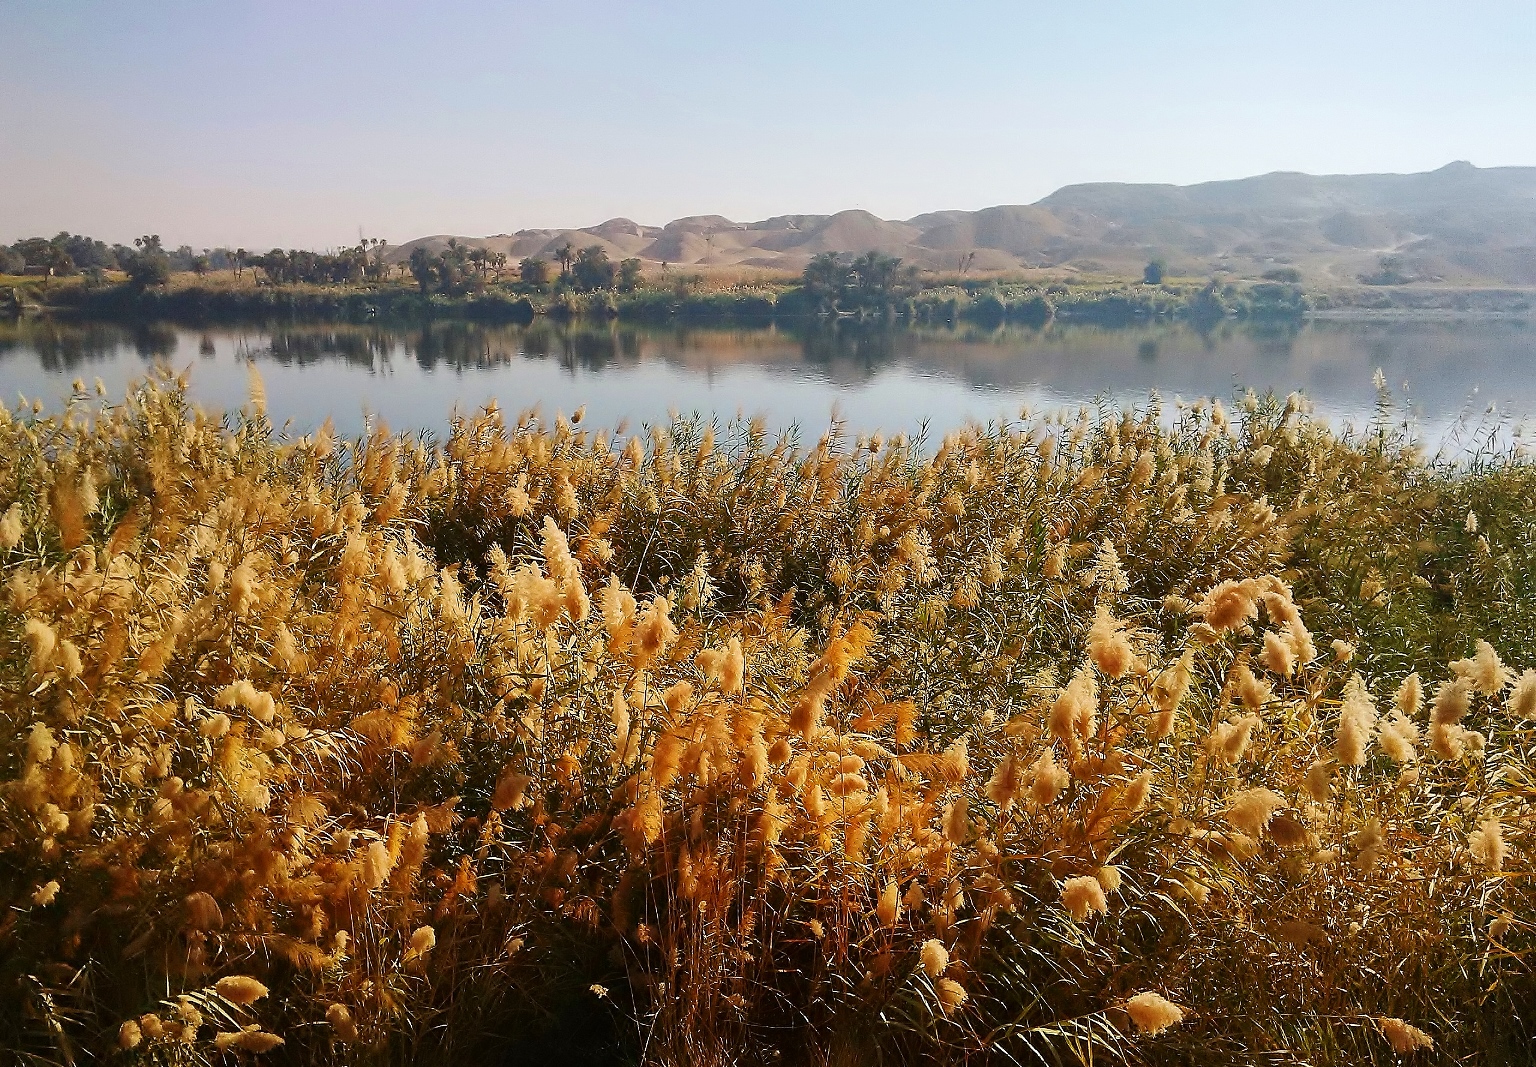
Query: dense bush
point(704, 747)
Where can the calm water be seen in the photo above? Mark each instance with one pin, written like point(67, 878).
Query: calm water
point(1442, 374)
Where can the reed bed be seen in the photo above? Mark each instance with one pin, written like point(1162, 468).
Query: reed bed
point(1075, 739)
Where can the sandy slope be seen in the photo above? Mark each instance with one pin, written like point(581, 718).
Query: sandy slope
point(1457, 225)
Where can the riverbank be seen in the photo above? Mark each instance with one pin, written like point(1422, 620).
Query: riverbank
point(981, 302)
point(986, 304)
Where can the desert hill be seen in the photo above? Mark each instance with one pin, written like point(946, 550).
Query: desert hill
point(1457, 225)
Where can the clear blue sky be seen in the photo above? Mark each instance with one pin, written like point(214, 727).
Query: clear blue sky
point(294, 123)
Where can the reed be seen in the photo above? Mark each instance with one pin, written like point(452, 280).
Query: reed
point(1054, 740)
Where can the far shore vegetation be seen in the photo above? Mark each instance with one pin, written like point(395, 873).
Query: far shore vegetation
point(76, 274)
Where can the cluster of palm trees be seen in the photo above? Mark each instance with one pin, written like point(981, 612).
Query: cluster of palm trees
point(297, 265)
point(481, 261)
point(586, 270)
point(837, 282)
point(457, 269)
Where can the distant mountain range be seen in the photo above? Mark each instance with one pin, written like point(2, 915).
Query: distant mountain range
point(1457, 225)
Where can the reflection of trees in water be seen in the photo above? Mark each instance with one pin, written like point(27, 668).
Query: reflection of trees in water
point(1320, 356)
point(1379, 352)
point(1213, 332)
point(591, 350)
point(629, 344)
point(453, 345)
point(1153, 343)
point(578, 346)
point(447, 345)
point(63, 347)
point(151, 340)
point(539, 340)
point(868, 346)
point(1274, 340)
point(308, 347)
point(465, 346)
point(860, 346)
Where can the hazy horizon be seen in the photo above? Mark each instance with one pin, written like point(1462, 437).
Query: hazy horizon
point(296, 125)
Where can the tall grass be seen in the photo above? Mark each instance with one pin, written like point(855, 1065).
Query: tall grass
point(1057, 741)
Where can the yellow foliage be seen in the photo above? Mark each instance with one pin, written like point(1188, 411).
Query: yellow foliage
point(346, 733)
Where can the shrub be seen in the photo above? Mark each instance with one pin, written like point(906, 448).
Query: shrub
point(701, 747)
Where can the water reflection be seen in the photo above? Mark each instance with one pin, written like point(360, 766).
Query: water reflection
point(876, 373)
point(62, 349)
point(293, 347)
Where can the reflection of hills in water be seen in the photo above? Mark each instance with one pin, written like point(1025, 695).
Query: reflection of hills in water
point(1443, 362)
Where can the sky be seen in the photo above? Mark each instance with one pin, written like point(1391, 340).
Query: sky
point(304, 123)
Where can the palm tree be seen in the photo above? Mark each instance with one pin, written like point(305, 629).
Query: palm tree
point(565, 253)
point(534, 271)
point(375, 260)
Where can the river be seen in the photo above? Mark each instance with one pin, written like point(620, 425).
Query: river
point(1446, 379)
